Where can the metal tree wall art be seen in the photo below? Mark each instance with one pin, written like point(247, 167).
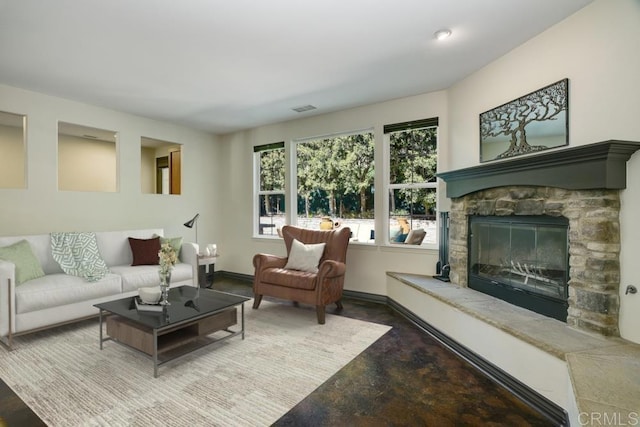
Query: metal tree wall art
point(534, 122)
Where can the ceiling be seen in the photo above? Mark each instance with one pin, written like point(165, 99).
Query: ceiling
point(223, 66)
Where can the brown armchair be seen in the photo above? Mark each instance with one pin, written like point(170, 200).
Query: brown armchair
point(319, 289)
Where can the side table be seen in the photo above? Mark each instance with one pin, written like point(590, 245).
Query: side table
point(206, 269)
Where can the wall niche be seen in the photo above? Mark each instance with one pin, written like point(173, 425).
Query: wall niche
point(161, 166)
point(13, 150)
point(87, 158)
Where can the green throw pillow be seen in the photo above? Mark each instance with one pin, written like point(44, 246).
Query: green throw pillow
point(175, 242)
point(27, 265)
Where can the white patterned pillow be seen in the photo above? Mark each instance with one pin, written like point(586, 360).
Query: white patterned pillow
point(305, 257)
point(78, 255)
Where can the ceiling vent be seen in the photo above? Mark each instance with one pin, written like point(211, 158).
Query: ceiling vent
point(304, 108)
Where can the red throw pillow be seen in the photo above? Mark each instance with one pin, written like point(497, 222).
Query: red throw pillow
point(145, 251)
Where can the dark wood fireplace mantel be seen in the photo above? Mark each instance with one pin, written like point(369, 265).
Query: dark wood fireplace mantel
point(595, 166)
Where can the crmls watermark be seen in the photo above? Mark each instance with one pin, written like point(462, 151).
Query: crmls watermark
point(609, 419)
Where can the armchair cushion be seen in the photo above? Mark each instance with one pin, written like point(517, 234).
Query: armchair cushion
point(305, 257)
point(290, 278)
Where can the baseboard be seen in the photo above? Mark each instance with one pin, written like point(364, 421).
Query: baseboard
point(232, 275)
point(364, 296)
point(554, 413)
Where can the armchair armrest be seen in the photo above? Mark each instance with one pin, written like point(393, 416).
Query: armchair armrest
point(262, 261)
point(330, 269)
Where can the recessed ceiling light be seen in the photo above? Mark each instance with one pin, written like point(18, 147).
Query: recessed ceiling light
point(442, 34)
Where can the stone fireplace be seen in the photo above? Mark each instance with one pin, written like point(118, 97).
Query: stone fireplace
point(578, 184)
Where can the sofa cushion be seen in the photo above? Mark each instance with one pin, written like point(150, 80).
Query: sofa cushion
point(305, 257)
point(145, 251)
point(55, 290)
point(140, 276)
point(26, 264)
point(289, 278)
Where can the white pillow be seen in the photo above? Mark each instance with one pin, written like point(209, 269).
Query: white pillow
point(305, 257)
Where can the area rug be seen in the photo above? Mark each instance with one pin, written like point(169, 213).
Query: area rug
point(68, 381)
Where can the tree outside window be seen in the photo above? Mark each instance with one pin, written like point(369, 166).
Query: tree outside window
point(413, 161)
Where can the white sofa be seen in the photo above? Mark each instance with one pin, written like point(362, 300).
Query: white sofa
point(58, 298)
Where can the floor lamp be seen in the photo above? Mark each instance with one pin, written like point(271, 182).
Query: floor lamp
point(189, 224)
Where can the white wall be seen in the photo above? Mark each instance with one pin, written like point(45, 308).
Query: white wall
point(597, 49)
point(367, 264)
point(41, 208)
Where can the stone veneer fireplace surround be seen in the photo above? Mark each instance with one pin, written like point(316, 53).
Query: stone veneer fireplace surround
point(580, 183)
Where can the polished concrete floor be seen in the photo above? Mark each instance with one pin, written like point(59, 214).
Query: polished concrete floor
point(406, 378)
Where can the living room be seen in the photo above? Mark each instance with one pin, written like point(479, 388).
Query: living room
point(595, 48)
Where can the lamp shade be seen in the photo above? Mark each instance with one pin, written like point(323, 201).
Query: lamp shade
point(192, 221)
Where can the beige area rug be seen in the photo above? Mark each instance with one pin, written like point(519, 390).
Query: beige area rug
point(65, 378)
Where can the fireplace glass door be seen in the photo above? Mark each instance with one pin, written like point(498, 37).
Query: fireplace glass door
point(522, 260)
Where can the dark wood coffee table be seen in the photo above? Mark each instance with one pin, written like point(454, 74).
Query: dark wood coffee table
point(181, 328)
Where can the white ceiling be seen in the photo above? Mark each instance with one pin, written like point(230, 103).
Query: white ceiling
point(225, 65)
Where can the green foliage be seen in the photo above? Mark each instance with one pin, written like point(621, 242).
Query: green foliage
point(272, 169)
point(339, 168)
point(414, 156)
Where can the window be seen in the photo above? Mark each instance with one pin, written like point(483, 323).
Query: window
point(413, 192)
point(335, 183)
point(269, 164)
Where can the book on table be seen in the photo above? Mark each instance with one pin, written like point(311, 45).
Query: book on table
point(143, 306)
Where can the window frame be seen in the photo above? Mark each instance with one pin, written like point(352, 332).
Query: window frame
point(258, 192)
point(388, 186)
point(293, 193)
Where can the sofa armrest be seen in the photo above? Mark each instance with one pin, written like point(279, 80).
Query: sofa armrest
point(189, 255)
point(7, 298)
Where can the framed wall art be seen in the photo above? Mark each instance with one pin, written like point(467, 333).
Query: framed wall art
point(534, 122)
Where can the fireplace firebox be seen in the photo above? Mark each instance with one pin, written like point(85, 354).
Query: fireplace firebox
point(521, 259)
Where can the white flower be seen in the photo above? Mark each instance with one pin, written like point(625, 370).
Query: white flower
point(167, 257)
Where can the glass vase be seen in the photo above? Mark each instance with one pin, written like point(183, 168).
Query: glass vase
point(165, 281)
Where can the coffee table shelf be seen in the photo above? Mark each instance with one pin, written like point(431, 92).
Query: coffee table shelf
point(140, 337)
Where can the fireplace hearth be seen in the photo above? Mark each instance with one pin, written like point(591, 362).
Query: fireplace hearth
point(522, 260)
